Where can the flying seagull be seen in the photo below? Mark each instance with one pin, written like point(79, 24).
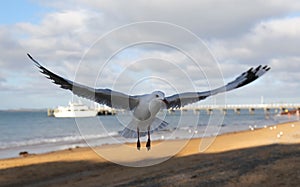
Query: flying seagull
point(145, 107)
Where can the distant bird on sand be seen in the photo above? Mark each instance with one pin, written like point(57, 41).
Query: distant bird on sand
point(145, 107)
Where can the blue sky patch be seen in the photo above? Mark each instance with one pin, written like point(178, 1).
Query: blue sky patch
point(12, 12)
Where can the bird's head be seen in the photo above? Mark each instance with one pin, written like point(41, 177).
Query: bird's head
point(158, 95)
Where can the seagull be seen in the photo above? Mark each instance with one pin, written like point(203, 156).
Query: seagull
point(145, 107)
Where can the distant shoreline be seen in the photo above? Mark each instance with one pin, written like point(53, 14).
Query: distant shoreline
point(25, 110)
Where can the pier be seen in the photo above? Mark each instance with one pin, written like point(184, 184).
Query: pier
point(238, 107)
point(210, 108)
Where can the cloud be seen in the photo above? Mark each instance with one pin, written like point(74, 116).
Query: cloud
point(239, 35)
point(287, 71)
point(2, 81)
point(10, 49)
point(206, 18)
point(273, 42)
point(266, 42)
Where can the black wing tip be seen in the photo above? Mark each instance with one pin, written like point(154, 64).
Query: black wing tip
point(265, 67)
point(35, 62)
point(31, 58)
point(28, 54)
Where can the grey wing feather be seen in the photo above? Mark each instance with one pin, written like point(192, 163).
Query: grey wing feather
point(102, 96)
point(182, 99)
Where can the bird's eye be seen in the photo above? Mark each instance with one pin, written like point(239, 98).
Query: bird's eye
point(156, 95)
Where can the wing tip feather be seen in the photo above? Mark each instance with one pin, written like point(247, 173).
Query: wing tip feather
point(36, 63)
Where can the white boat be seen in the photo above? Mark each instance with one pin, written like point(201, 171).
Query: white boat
point(74, 110)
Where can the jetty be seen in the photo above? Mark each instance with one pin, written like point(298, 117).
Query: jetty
point(278, 107)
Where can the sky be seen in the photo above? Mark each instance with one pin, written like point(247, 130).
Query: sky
point(141, 46)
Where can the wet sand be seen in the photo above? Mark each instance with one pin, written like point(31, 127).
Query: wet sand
point(250, 158)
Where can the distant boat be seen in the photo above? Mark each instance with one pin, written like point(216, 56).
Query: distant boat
point(74, 110)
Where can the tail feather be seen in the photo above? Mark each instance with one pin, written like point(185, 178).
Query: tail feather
point(130, 130)
point(162, 124)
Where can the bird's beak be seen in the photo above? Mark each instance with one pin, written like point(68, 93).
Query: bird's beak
point(165, 101)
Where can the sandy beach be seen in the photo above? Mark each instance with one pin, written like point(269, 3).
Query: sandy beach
point(268, 156)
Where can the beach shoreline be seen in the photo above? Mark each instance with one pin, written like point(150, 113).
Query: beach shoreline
point(62, 167)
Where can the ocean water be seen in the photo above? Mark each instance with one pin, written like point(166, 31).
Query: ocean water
point(35, 132)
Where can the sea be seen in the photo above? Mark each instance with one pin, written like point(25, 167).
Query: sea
point(35, 132)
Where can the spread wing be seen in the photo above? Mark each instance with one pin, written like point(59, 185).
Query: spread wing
point(103, 96)
point(182, 99)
